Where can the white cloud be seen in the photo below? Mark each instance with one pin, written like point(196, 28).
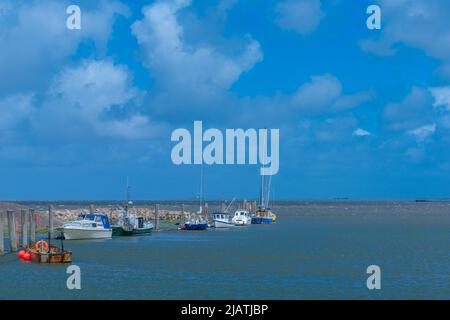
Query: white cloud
point(83, 97)
point(423, 132)
point(441, 96)
point(420, 24)
point(93, 86)
point(361, 132)
point(335, 129)
point(324, 94)
point(182, 67)
point(413, 111)
point(35, 40)
point(353, 100)
point(301, 16)
point(14, 109)
point(318, 94)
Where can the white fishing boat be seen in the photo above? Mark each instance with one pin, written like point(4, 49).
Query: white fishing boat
point(241, 218)
point(223, 220)
point(89, 226)
point(130, 224)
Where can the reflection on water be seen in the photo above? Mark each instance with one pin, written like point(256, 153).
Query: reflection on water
point(315, 250)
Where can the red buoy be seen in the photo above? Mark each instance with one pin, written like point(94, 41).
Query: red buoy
point(21, 254)
point(27, 256)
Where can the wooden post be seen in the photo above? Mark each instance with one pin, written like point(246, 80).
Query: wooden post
point(50, 219)
point(157, 217)
point(12, 231)
point(182, 215)
point(32, 217)
point(17, 234)
point(2, 245)
point(206, 211)
point(91, 208)
point(24, 221)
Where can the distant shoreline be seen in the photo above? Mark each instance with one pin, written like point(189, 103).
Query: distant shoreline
point(147, 202)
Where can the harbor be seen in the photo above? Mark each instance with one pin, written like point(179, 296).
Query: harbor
point(312, 244)
point(23, 224)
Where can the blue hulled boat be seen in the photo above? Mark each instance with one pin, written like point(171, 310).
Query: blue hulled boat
point(264, 215)
point(261, 220)
point(195, 226)
point(197, 222)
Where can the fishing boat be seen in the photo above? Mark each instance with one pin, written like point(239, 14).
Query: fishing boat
point(197, 223)
point(223, 220)
point(130, 224)
point(241, 218)
point(88, 226)
point(44, 253)
point(264, 214)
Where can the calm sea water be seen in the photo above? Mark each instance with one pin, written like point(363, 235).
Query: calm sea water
point(315, 250)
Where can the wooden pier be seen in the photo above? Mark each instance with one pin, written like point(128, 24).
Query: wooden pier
point(27, 228)
point(19, 226)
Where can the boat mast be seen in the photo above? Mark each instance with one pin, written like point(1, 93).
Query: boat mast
point(127, 197)
point(268, 191)
point(201, 188)
point(226, 210)
point(261, 195)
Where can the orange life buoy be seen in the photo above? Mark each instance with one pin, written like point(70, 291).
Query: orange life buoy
point(38, 246)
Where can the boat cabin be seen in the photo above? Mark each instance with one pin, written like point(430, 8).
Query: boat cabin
point(241, 213)
point(95, 219)
point(221, 216)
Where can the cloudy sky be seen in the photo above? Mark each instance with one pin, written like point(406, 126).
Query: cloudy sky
point(363, 114)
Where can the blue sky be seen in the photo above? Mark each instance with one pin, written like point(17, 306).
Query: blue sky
point(363, 114)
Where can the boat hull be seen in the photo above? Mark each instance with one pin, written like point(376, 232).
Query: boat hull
point(242, 223)
point(120, 232)
point(196, 227)
point(223, 224)
point(54, 256)
point(84, 234)
point(262, 220)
